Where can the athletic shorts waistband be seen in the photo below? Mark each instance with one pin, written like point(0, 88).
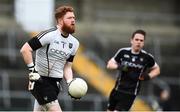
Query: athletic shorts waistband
point(51, 78)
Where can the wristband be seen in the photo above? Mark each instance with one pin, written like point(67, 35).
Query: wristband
point(30, 65)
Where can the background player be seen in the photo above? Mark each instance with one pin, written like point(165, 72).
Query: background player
point(133, 64)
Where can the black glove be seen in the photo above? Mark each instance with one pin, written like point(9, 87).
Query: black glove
point(123, 68)
point(144, 76)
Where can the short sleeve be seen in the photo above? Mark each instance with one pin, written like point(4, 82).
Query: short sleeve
point(150, 60)
point(76, 46)
point(118, 55)
point(46, 39)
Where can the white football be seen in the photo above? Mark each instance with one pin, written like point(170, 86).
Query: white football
point(77, 88)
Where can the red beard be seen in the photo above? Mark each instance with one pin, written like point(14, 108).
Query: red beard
point(68, 29)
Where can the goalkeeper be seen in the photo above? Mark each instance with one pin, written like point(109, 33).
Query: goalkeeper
point(55, 50)
point(133, 64)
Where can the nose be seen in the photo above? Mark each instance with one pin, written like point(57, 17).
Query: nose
point(73, 21)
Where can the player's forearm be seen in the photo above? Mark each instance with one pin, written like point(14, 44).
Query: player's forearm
point(27, 56)
point(154, 72)
point(111, 66)
point(68, 75)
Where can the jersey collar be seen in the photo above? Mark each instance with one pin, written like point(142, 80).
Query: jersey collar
point(64, 35)
point(135, 52)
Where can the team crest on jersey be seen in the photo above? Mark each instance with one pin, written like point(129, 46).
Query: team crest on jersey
point(70, 45)
point(126, 56)
point(141, 59)
point(133, 59)
point(46, 98)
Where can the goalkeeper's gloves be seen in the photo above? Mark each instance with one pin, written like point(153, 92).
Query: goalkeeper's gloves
point(33, 75)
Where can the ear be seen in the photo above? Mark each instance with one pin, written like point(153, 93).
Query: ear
point(60, 21)
point(131, 40)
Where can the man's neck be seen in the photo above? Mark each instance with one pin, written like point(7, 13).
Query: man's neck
point(64, 34)
point(135, 51)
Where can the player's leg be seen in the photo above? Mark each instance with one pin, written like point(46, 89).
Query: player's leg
point(125, 101)
point(46, 93)
point(53, 106)
point(112, 101)
point(38, 107)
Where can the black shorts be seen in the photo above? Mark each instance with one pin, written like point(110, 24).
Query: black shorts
point(120, 101)
point(46, 90)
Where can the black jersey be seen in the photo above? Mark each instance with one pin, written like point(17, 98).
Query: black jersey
point(128, 81)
